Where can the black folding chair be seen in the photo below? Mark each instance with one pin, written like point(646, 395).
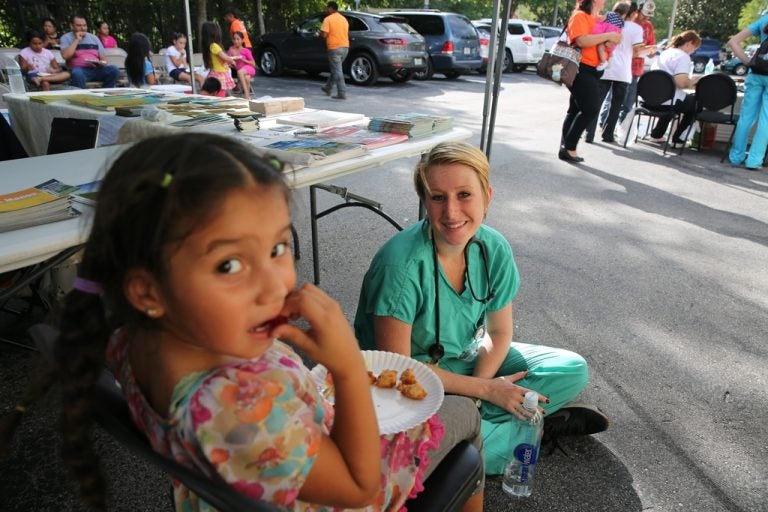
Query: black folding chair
point(71, 134)
point(654, 89)
point(446, 489)
point(714, 93)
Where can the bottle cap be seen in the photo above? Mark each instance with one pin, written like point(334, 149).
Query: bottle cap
point(531, 400)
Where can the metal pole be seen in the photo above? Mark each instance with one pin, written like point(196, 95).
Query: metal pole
point(489, 74)
point(486, 137)
point(672, 20)
point(191, 50)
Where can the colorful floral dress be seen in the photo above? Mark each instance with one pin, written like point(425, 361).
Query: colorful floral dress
point(258, 424)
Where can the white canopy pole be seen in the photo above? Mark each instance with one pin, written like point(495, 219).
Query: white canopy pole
point(191, 51)
point(493, 76)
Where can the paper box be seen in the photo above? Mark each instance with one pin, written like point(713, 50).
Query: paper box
point(275, 106)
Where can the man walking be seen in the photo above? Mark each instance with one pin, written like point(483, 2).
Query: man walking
point(335, 30)
point(84, 54)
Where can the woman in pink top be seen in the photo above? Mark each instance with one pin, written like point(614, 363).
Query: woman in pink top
point(102, 32)
point(244, 63)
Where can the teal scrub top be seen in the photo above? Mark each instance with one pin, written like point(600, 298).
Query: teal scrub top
point(400, 283)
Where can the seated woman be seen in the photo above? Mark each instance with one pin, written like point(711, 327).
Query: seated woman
point(50, 34)
point(138, 66)
point(102, 32)
point(676, 60)
point(176, 60)
point(441, 291)
point(39, 65)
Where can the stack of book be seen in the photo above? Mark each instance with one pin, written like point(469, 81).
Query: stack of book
point(358, 135)
point(44, 203)
point(307, 152)
point(412, 124)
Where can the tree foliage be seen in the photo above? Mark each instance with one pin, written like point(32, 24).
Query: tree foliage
point(752, 11)
point(710, 18)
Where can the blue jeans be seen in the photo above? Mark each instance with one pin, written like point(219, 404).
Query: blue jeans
point(335, 59)
point(629, 98)
point(107, 74)
point(754, 107)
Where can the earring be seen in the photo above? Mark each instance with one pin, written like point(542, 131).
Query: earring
point(152, 312)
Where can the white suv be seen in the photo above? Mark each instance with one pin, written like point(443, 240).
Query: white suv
point(525, 43)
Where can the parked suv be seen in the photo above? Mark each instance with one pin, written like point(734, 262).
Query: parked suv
point(452, 42)
point(524, 46)
point(378, 45)
point(709, 49)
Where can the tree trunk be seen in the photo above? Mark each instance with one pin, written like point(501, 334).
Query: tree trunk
point(260, 17)
point(202, 15)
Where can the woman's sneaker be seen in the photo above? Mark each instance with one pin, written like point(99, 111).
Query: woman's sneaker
point(575, 419)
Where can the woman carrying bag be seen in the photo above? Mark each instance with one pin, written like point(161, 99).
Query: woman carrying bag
point(585, 99)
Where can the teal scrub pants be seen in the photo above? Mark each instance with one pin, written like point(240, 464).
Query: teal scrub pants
point(557, 374)
point(753, 107)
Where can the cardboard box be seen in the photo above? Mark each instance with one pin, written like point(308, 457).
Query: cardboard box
point(276, 106)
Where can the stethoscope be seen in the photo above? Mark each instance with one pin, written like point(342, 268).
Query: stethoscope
point(436, 351)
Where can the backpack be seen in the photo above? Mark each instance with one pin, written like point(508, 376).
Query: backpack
point(759, 61)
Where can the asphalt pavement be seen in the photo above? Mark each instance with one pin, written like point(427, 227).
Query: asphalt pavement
point(652, 267)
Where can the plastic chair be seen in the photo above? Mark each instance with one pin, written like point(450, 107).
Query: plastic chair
point(656, 88)
point(714, 93)
point(446, 489)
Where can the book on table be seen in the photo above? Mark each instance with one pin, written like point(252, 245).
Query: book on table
point(86, 193)
point(413, 124)
point(307, 152)
point(41, 204)
point(320, 118)
point(358, 135)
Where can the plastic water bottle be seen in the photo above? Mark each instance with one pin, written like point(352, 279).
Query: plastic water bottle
point(710, 67)
point(12, 69)
point(521, 469)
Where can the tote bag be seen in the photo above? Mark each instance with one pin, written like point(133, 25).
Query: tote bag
point(561, 64)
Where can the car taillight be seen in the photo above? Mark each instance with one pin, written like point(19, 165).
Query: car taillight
point(528, 40)
point(394, 43)
point(447, 47)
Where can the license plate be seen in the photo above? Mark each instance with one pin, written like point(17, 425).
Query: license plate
point(418, 61)
point(467, 51)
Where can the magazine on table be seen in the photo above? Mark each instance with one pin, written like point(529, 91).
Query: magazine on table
point(307, 152)
point(47, 202)
point(358, 135)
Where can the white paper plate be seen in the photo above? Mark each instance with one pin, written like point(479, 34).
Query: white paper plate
point(394, 412)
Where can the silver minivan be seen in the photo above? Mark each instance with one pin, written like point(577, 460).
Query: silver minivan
point(525, 43)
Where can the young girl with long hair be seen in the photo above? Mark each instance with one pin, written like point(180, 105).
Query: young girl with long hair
point(215, 58)
point(184, 290)
point(138, 65)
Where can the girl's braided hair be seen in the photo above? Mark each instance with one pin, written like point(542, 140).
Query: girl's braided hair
point(155, 194)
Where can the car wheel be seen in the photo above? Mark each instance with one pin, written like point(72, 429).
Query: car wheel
point(519, 68)
point(427, 73)
point(740, 70)
point(508, 61)
point(699, 65)
point(452, 75)
point(362, 69)
point(401, 75)
point(269, 62)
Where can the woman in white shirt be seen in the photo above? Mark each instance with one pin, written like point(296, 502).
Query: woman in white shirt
point(676, 60)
